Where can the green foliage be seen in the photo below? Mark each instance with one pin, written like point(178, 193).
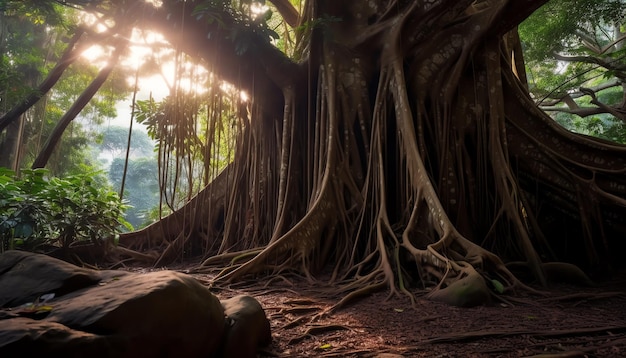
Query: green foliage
point(147, 112)
point(602, 126)
point(36, 11)
point(37, 210)
point(29, 49)
point(558, 25)
point(570, 44)
point(195, 135)
point(114, 139)
point(141, 187)
point(187, 128)
point(243, 27)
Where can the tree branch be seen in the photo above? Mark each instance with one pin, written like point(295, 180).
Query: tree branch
point(80, 103)
point(585, 111)
point(238, 52)
point(287, 11)
point(600, 87)
point(609, 65)
point(594, 100)
point(70, 55)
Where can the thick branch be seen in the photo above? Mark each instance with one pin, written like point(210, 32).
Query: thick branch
point(598, 88)
point(581, 111)
point(287, 11)
point(70, 55)
point(80, 103)
point(594, 100)
point(617, 111)
point(612, 64)
point(238, 52)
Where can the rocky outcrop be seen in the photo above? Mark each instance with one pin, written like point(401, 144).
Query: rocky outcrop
point(51, 308)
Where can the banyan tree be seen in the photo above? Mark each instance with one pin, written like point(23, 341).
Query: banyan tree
point(395, 147)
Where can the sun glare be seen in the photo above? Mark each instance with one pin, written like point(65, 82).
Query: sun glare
point(142, 47)
point(93, 53)
point(166, 69)
point(93, 22)
point(258, 9)
point(231, 90)
point(155, 3)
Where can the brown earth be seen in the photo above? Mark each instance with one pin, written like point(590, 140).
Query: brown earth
point(568, 321)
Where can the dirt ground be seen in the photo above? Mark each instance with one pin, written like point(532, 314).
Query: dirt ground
point(569, 321)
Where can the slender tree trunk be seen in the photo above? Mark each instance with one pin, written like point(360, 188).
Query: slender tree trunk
point(70, 55)
point(81, 102)
point(10, 144)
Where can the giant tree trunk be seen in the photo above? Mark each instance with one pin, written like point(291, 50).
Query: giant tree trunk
point(402, 151)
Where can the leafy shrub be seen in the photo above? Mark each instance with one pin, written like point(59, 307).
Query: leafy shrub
point(37, 210)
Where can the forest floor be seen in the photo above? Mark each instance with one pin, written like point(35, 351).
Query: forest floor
point(568, 321)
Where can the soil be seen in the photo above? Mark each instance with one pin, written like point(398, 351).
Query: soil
point(566, 321)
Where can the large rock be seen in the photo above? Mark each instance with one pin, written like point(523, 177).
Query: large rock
point(25, 276)
point(247, 327)
point(104, 313)
point(26, 337)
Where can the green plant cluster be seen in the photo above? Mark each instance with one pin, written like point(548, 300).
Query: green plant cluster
point(36, 210)
point(236, 17)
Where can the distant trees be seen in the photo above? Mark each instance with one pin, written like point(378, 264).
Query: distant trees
point(38, 67)
point(141, 185)
point(115, 142)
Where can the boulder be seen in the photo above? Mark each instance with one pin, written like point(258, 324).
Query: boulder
point(27, 337)
point(247, 327)
point(25, 276)
point(103, 313)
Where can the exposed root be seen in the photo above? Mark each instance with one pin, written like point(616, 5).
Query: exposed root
point(143, 257)
point(315, 330)
point(363, 290)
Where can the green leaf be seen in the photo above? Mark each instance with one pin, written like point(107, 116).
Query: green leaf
point(498, 286)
